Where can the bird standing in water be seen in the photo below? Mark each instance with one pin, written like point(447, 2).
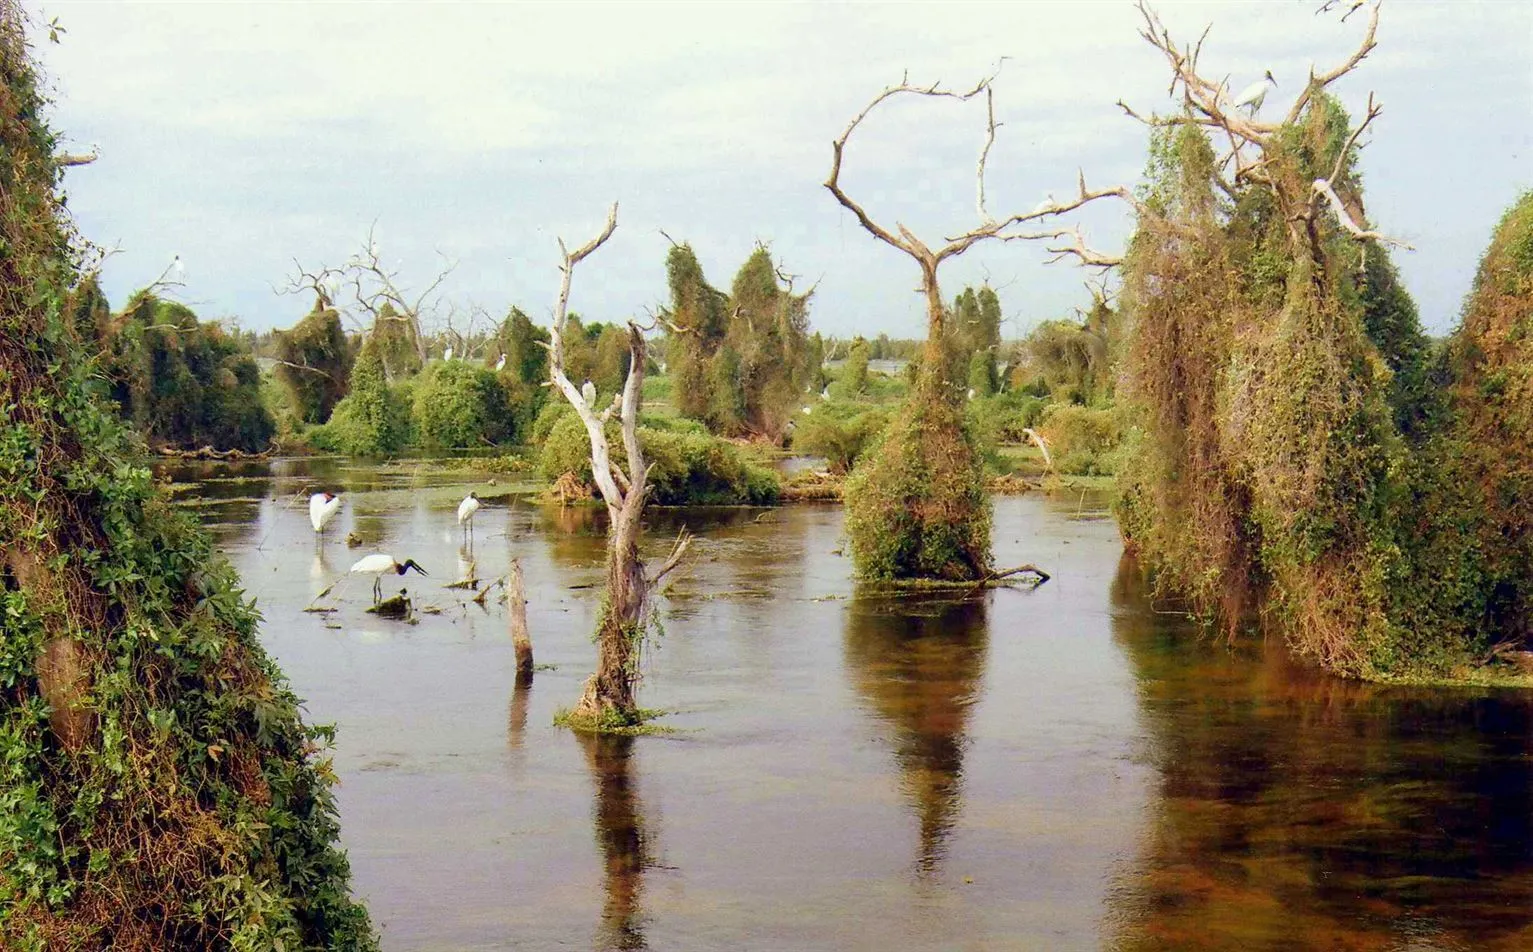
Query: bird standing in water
point(466, 510)
point(322, 508)
point(380, 564)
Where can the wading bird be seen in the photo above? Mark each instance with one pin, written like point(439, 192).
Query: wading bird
point(1255, 94)
point(378, 565)
point(500, 364)
point(322, 508)
point(447, 356)
point(179, 267)
point(588, 392)
point(466, 510)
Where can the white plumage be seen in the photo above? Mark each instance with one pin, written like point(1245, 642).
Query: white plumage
point(179, 267)
point(500, 364)
point(467, 508)
point(971, 393)
point(380, 564)
point(1255, 94)
point(447, 356)
point(1048, 204)
point(808, 410)
point(322, 508)
point(588, 392)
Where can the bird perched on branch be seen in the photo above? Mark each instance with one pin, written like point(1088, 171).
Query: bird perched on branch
point(1048, 204)
point(1255, 94)
point(322, 508)
point(378, 565)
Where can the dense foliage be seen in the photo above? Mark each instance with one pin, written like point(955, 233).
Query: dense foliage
point(1292, 456)
point(314, 363)
point(374, 417)
point(158, 787)
point(181, 382)
point(742, 360)
point(690, 466)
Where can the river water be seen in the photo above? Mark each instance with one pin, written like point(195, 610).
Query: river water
point(1072, 767)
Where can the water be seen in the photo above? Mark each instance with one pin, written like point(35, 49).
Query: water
point(1068, 768)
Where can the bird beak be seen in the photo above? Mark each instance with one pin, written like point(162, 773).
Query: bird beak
point(1271, 78)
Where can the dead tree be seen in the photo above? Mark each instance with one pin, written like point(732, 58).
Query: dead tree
point(1253, 153)
point(935, 524)
point(609, 694)
point(989, 227)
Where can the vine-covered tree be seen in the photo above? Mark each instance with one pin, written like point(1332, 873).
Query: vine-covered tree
point(160, 788)
point(696, 317)
point(918, 507)
point(314, 362)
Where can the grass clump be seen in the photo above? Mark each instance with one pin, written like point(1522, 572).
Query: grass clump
point(610, 720)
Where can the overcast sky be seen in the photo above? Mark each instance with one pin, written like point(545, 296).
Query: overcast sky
point(243, 135)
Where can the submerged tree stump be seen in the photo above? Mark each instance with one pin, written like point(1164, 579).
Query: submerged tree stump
point(521, 640)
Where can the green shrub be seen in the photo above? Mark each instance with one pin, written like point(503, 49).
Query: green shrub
point(690, 466)
point(1083, 441)
point(314, 364)
point(373, 419)
point(460, 405)
point(840, 432)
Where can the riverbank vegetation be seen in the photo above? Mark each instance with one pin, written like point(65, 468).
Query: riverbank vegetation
point(160, 788)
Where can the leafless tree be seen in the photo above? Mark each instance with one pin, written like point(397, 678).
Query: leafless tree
point(1251, 144)
point(610, 692)
point(1005, 228)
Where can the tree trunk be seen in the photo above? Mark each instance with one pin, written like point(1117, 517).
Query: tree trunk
point(609, 692)
point(516, 602)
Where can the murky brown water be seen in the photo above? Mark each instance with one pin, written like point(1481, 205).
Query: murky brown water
point(1061, 769)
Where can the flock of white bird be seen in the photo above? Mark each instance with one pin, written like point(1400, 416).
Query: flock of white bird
point(322, 509)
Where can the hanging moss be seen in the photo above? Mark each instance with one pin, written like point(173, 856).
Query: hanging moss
point(917, 507)
point(314, 363)
point(158, 787)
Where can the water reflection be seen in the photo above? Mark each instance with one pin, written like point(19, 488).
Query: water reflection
point(919, 661)
point(1298, 809)
point(622, 837)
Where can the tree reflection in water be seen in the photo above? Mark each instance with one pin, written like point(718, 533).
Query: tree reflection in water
point(919, 661)
point(622, 837)
point(1297, 810)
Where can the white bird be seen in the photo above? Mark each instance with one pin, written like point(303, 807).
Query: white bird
point(447, 356)
point(825, 394)
point(500, 364)
point(971, 393)
point(1255, 94)
point(322, 508)
point(1048, 204)
point(378, 565)
point(466, 510)
point(588, 392)
point(179, 267)
point(808, 410)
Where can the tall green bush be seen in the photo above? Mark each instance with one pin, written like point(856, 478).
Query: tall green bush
point(314, 363)
point(159, 787)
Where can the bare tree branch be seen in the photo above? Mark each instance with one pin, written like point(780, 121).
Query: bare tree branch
point(678, 549)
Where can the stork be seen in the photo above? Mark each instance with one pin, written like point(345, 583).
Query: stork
point(380, 564)
point(500, 364)
point(466, 510)
point(1255, 94)
point(322, 508)
point(1047, 205)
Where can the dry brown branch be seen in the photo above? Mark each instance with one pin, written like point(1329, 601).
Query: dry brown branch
point(678, 549)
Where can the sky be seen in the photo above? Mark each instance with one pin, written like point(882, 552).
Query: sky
point(245, 136)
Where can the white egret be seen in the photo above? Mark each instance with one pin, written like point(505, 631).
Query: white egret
point(322, 508)
point(588, 393)
point(466, 510)
point(447, 356)
point(1047, 205)
point(500, 364)
point(378, 565)
point(1255, 94)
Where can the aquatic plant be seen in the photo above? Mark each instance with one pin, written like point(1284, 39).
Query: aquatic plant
point(159, 787)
